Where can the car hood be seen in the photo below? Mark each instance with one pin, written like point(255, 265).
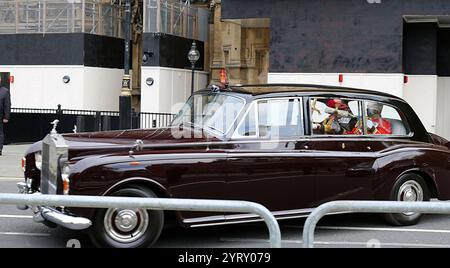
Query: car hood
point(82, 144)
point(159, 136)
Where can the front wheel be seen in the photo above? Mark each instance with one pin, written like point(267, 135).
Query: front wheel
point(409, 188)
point(127, 228)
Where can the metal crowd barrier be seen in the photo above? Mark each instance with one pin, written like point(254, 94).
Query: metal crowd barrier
point(150, 203)
point(367, 207)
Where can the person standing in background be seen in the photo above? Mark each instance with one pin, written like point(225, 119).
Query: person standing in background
point(5, 110)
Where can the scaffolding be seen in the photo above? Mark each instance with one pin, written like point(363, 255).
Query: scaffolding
point(176, 18)
point(57, 16)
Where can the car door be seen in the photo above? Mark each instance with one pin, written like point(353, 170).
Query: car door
point(344, 158)
point(267, 164)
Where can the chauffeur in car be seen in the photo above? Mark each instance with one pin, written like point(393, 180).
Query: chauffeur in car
point(256, 143)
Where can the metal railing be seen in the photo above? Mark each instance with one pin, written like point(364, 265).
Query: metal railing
point(59, 110)
point(37, 121)
point(151, 203)
point(176, 18)
point(367, 207)
point(154, 120)
point(145, 119)
point(57, 16)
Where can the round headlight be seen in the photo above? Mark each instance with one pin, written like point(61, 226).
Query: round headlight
point(38, 160)
point(65, 171)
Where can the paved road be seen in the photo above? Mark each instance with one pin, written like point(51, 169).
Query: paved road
point(17, 228)
point(10, 161)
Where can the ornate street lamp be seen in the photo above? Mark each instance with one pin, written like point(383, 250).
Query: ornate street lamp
point(125, 94)
point(193, 57)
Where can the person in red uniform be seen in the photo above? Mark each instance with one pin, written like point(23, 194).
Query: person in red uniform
point(341, 120)
point(377, 125)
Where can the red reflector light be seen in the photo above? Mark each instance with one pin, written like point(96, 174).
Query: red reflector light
point(11, 79)
point(341, 78)
point(23, 164)
point(405, 79)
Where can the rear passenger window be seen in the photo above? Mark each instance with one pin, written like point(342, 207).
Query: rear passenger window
point(336, 116)
point(383, 119)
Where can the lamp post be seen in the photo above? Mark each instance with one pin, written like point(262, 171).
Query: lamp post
point(125, 94)
point(193, 57)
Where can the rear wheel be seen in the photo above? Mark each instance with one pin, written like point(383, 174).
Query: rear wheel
point(127, 228)
point(409, 188)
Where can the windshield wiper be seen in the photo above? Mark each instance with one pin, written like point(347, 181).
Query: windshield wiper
point(213, 128)
point(192, 125)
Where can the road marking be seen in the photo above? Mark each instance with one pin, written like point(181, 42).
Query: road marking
point(409, 245)
point(338, 243)
point(384, 229)
point(16, 216)
point(25, 234)
point(10, 179)
point(346, 228)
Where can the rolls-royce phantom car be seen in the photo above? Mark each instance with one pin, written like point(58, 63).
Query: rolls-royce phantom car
point(290, 148)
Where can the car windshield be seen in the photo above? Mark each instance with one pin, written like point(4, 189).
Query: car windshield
point(214, 111)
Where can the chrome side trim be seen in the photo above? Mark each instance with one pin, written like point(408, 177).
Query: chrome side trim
point(223, 223)
point(137, 180)
point(255, 220)
point(239, 218)
point(232, 142)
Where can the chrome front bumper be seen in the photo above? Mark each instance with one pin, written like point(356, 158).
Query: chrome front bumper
point(64, 220)
point(42, 214)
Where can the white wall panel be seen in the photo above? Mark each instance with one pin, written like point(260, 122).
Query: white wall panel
point(443, 107)
point(166, 87)
point(388, 83)
point(171, 88)
point(102, 88)
point(421, 93)
point(41, 86)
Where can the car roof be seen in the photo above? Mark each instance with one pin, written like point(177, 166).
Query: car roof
point(257, 90)
point(267, 89)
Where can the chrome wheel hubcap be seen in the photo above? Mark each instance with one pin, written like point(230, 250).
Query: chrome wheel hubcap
point(410, 191)
point(126, 220)
point(126, 225)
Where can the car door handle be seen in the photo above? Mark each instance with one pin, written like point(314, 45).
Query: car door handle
point(360, 172)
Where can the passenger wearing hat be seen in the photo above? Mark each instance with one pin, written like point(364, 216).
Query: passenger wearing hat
point(377, 125)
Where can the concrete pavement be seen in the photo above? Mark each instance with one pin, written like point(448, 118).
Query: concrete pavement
point(18, 230)
point(10, 161)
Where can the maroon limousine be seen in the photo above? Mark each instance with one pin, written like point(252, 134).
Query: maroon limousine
point(287, 147)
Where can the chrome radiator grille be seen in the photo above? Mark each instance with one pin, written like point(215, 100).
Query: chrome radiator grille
point(54, 150)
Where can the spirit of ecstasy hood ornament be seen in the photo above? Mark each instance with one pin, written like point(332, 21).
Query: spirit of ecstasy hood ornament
point(55, 124)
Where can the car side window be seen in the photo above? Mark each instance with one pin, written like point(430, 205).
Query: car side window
point(383, 119)
point(272, 118)
point(247, 128)
point(336, 116)
point(279, 118)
